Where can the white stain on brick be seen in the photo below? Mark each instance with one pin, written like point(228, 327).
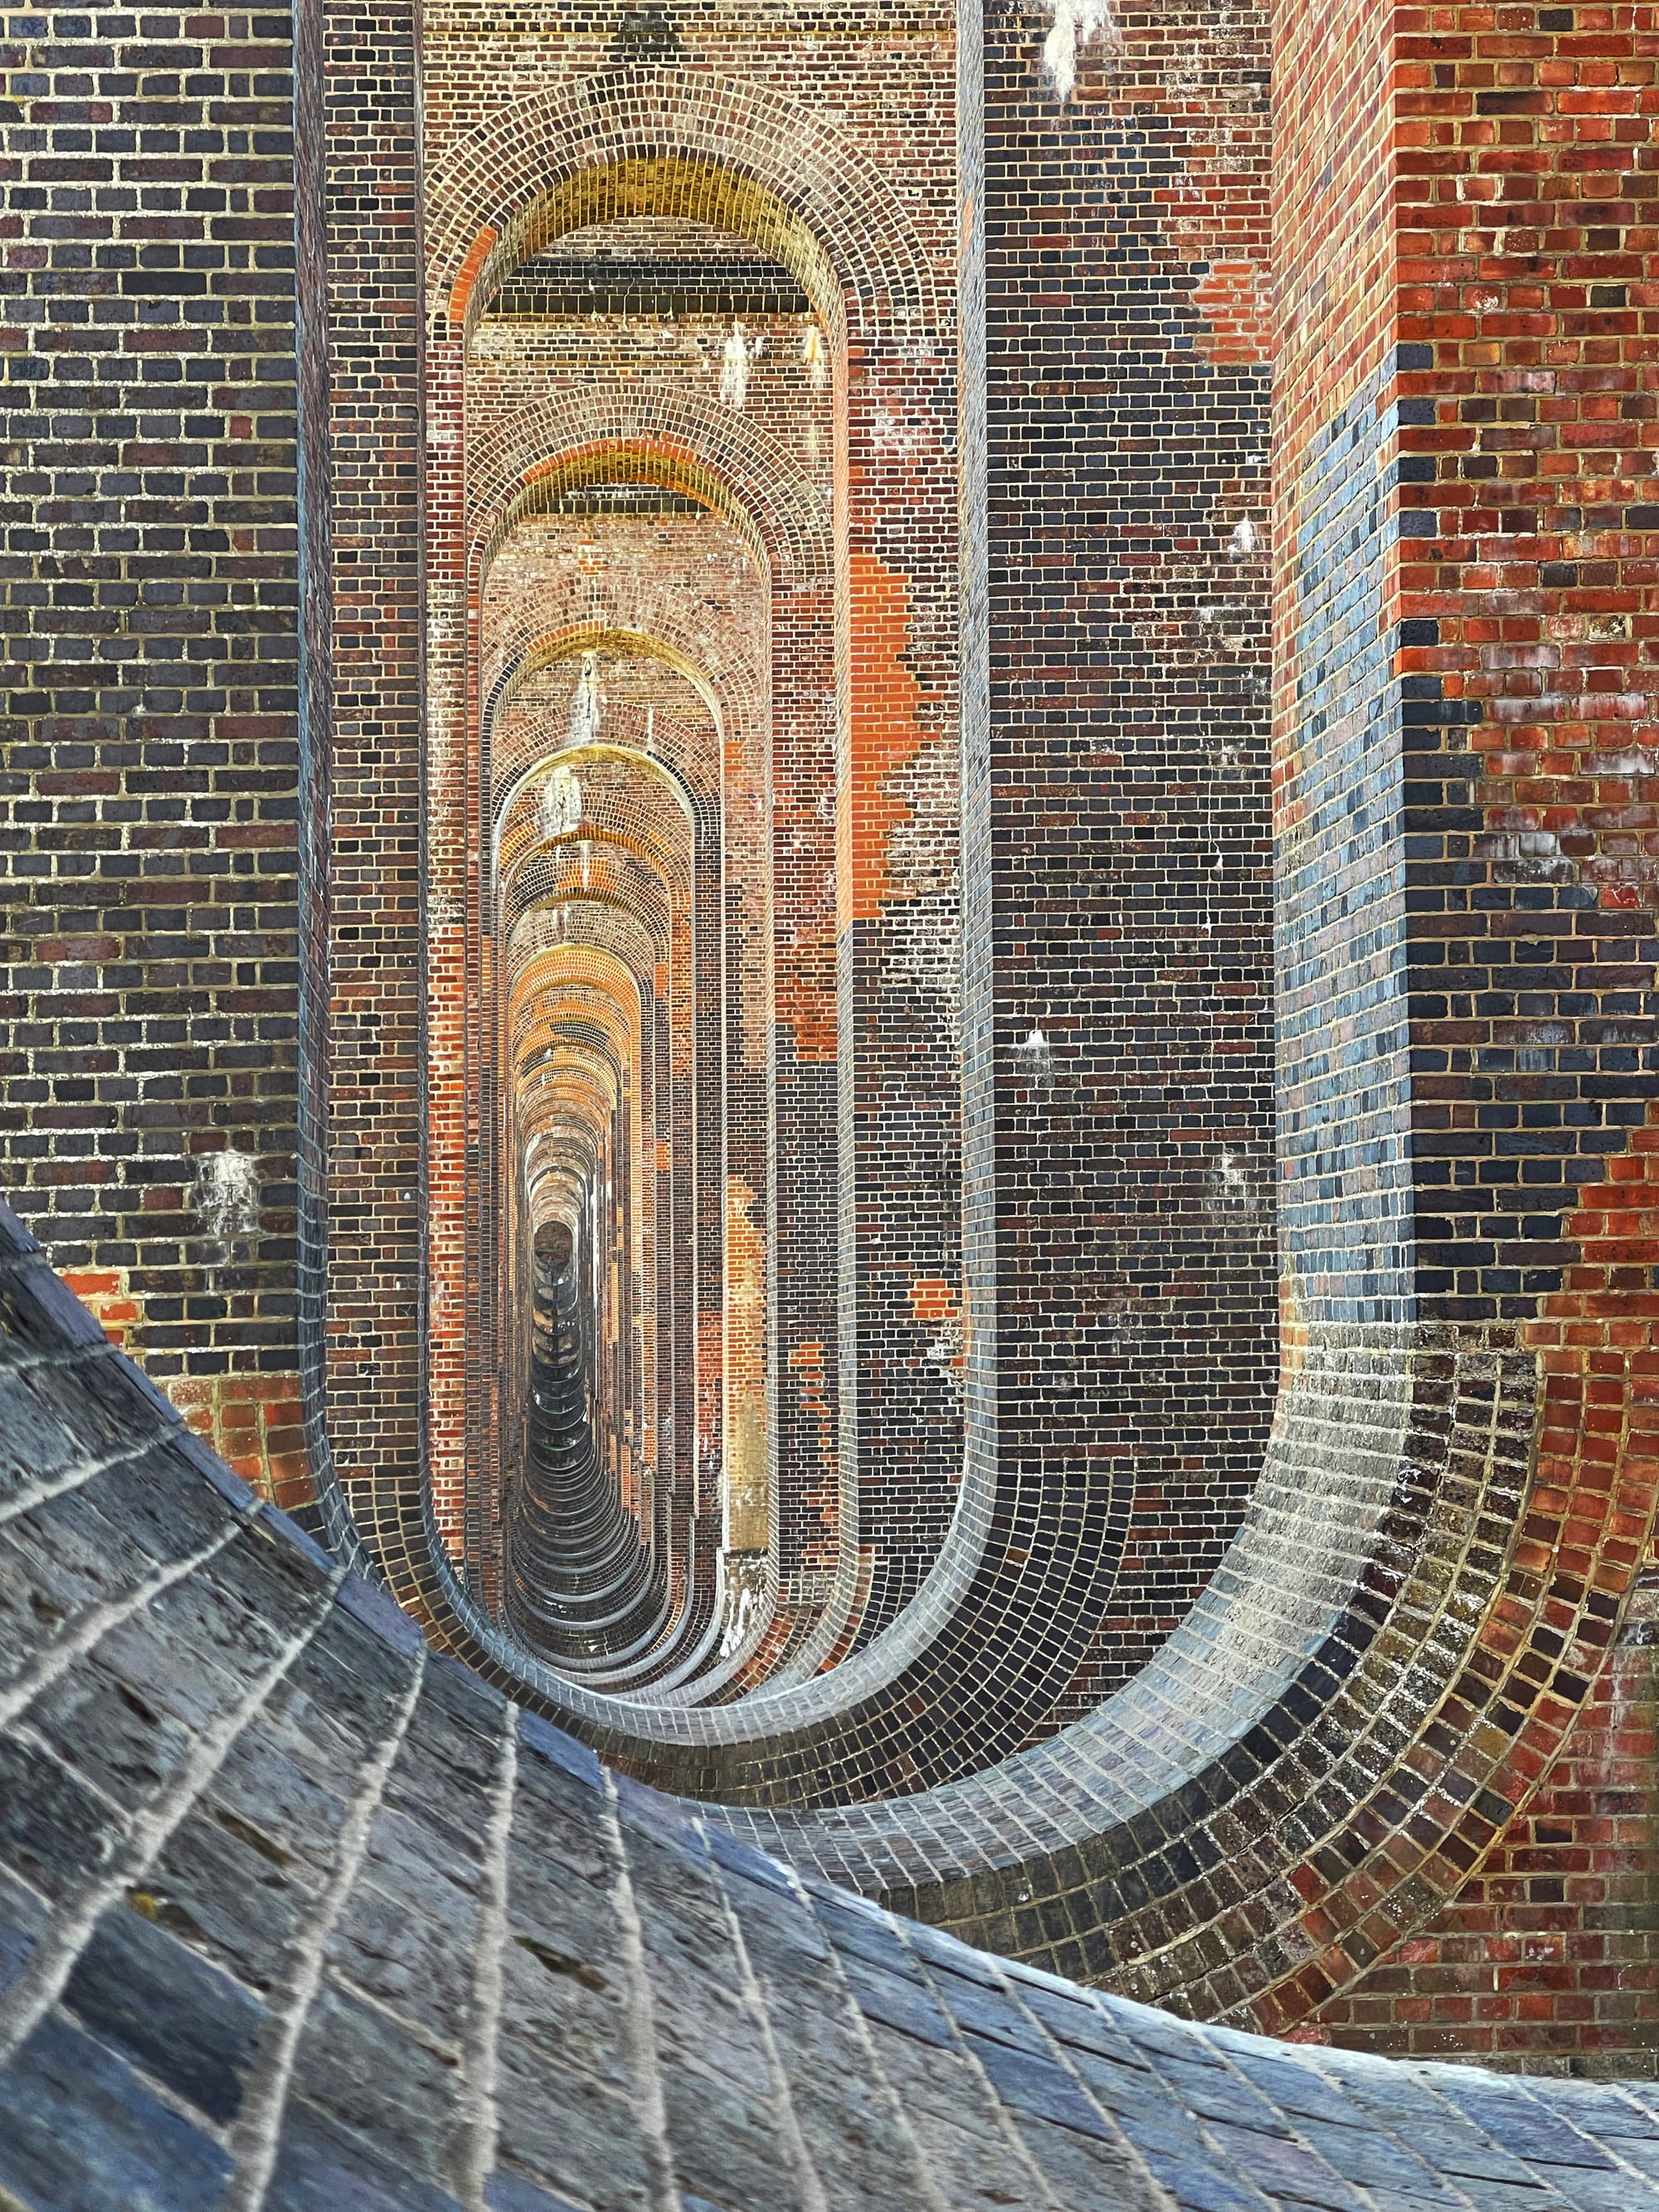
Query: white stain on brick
point(228, 1195)
point(1034, 1060)
point(561, 802)
point(945, 1353)
point(588, 703)
point(1077, 24)
point(734, 370)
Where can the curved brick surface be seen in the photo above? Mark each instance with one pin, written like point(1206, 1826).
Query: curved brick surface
point(1348, 1729)
point(294, 1913)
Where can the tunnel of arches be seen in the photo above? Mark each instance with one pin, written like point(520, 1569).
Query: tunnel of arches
point(663, 630)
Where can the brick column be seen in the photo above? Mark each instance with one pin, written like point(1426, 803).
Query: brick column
point(1470, 411)
point(375, 1264)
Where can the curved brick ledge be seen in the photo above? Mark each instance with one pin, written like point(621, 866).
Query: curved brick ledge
point(294, 1913)
point(1277, 1868)
point(1429, 1581)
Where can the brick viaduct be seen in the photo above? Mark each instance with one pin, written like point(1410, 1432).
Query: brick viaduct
point(830, 859)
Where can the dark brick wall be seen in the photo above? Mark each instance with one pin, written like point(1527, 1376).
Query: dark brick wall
point(148, 1011)
point(1128, 494)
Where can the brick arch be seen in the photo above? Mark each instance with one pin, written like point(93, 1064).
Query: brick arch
point(658, 774)
point(803, 190)
point(536, 876)
point(529, 750)
point(526, 936)
point(483, 192)
point(660, 840)
point(737, 681)
point(682, 441)
point(659, 460)
point(545, 651)
point(691, 752)
point(575, 1096)
point(631, 186)
point(576, 970)
point(651, 835)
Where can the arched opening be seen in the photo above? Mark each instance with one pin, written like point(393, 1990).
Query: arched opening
point(671, 693)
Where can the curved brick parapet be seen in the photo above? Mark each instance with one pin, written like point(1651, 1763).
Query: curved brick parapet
point(294, 1913)
point(1428, 1585)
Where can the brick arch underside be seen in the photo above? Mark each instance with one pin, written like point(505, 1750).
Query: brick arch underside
point(676, 440)
point(753, 482)
point(665, 886)
point(802, 189)
point(489, 183)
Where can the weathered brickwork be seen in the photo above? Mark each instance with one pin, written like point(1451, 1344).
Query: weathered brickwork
point(149, 599)
point(830, 871)
point(1526, 182)
point(1487, 305)
point(1548, 1949)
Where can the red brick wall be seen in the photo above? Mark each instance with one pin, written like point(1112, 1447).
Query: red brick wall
point(1548, 1953)
point(1474, 188)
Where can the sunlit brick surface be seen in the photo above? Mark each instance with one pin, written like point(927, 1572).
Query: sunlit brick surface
point(829, 881)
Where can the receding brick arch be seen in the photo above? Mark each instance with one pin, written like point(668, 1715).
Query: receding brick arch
point(1459, 1494)
point(734, 679)
point(739, 161)
point(663, 462)
point(579, 1036)
point(621, 922)
point(774, 171)
point(538, 868)
point(680, 441)
point(755, 484)
point(524, 857)
point(528, 656)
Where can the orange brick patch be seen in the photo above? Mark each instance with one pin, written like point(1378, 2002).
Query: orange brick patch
point(103, 1292)
point(255, 1423)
